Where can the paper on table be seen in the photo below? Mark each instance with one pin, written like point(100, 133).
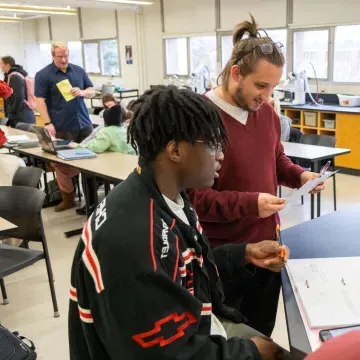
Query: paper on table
point(309, 186)
point(329, 290)
point(17, 138)
point(65, 89)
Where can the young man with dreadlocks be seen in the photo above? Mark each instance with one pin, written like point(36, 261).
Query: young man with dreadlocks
point(144, 282)
point(242, 205)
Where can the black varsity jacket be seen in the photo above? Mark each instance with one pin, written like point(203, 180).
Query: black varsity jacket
point(144, 284)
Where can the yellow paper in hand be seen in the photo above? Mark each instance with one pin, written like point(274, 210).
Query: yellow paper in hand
point(65, 89)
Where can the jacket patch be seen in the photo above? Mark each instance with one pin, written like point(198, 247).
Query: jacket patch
point(90, 259)
point(158, 336)
point(206, 309)
point(73, 294)
point(85, 315)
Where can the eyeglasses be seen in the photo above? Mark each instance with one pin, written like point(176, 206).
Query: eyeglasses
point(267, 49)
point(217, 149)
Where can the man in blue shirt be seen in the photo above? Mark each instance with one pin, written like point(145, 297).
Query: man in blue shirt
point(64, 118)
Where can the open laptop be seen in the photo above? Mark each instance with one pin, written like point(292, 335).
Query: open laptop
point(49, 145)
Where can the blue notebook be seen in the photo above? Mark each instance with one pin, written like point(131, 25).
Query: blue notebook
point(75, 154)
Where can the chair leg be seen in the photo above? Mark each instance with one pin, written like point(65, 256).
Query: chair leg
point(51, 278)
point(3, 292)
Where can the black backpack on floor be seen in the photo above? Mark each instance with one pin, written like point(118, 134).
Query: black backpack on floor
point(12, 346)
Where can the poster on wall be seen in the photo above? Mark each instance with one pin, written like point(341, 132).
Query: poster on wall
point(129, 56)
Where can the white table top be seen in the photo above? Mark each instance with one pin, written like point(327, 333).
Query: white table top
point(6, 225)
point(112, 165)
point(312, 152)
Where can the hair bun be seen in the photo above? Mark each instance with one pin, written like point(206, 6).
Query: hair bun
point(250, 27)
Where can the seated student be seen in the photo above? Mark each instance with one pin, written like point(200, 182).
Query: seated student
point(8, 167)
point(109, 101)
point(144, 282)
point(285, 122)
point(111, 138)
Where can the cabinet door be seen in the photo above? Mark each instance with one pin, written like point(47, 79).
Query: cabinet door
point(348, 136)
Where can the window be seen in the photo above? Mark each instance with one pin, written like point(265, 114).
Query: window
point(203, 53)
point(75, 53)
point(176, 56)
point(45, 55)
point(311, 47)
point(226, 49)
point(280, 35)
point(92, 61)
point(347, 54)
point(102, 57)
point(109, 57)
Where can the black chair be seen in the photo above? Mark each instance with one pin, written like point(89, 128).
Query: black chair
point(24, 126)
point(22, 206)
point(27, 176)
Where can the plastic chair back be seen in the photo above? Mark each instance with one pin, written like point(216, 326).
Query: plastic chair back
point(22, 206)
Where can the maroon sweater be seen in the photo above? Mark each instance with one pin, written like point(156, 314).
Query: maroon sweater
point(254, 162)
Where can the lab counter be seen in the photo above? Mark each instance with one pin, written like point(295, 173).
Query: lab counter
point(327, 108)
point(332, 120)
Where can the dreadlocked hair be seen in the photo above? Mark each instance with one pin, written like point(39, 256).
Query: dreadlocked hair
point(166, 113)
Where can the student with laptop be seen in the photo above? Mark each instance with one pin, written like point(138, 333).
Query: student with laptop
point(113, 137)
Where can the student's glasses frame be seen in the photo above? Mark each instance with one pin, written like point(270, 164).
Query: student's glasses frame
point(217, 149)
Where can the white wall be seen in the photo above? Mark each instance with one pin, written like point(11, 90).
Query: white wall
point(98, 23)
point(65, 28)
point(153, 60)
point(11, 41)
point(189, 16)
point(269, 13)
point(310, 12)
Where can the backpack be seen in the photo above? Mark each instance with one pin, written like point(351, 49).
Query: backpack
point(13, 347)
point(30, 90)
point(54, 194)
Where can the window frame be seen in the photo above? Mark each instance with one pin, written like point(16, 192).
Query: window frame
point(98, 41)
point(291, 50)
point(166, 75)
point(333, 57)
point(187, 37)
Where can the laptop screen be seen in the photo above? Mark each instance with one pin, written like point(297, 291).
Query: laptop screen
point(44, 139)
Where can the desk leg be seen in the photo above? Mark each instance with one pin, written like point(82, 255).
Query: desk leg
point(312, 196)
point(317, 166)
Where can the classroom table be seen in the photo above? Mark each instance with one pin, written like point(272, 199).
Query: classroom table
point(6, 227)
point(110, 166)
point(314, 154)
point(333, 235)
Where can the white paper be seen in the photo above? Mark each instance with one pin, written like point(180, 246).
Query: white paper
point(309, 186)
point(328, 289)
point(17, 138)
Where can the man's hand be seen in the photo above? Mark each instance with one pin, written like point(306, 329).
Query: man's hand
point(51, 129)
point(267, 254)
point(76, 92)
point(307, 176)
point(267, 348)
point(269, 205)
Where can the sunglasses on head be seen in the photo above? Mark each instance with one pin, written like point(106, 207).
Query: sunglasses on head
point(267, 49)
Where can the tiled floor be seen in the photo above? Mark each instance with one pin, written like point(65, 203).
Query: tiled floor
point(30, 309)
